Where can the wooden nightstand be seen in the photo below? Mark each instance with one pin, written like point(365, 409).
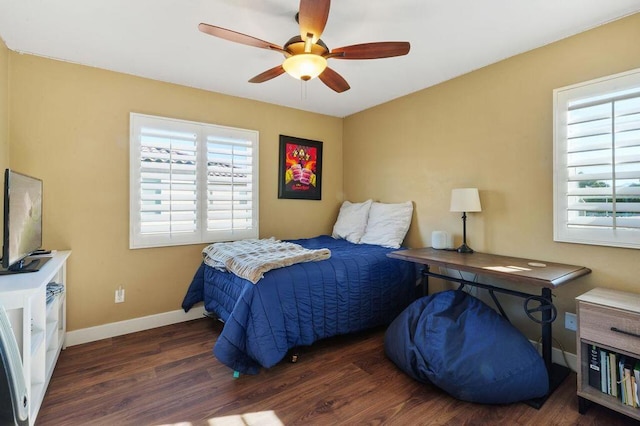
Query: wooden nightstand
point(610, 321)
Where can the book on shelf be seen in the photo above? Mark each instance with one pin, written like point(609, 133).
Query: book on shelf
point(604, 371)
point(594, 367)
point(612, 372)
point(629, 380)
point(623, 387)
point(636, 376)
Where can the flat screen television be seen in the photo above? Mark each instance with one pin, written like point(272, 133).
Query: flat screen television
point(22, 223)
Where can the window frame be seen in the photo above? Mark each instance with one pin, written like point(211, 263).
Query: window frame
point(605, 88)
point(202, 133)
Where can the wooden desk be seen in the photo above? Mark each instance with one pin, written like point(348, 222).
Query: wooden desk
point(540, 274)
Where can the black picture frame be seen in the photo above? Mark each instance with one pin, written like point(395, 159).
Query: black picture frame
point(299, 168)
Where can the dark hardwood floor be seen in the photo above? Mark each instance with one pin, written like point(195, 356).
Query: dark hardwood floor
point(168, 375)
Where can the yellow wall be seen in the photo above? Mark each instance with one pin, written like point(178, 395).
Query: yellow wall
point(4, 106)
point(70, 126)
point(492, 129)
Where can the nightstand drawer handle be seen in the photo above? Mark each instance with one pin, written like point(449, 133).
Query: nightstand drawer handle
point(628, 333)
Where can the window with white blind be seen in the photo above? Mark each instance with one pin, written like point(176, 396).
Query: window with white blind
point(191, 182)
point(597, 161)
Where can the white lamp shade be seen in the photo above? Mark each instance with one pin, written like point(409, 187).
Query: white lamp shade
point(465, 200)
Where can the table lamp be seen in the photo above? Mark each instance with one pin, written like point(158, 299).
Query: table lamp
point(465, 200)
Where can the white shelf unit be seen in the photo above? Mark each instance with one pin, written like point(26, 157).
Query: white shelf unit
point(39, 327)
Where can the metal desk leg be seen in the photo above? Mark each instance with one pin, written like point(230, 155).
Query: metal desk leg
point(547, 338)
point(557, 373)
point(425, 280)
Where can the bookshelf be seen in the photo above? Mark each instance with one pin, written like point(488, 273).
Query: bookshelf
point(38, 321)
point(608, 323)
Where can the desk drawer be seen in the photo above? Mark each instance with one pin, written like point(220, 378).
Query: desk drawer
point(596, 323)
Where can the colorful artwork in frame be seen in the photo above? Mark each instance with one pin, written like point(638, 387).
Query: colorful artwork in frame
point(300, 169)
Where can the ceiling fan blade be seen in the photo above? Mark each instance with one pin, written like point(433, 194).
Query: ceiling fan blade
point(267, 75)
point(313, 17)
point(237, 37)
point(384, 49)
point(334, 80)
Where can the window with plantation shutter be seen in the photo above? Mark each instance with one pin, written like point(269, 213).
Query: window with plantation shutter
point(191, 182)
point(597, 162)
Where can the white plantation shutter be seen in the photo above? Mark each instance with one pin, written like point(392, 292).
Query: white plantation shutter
point(230, 186)
point(597, 167)
point(168, 182)
point(191, 182)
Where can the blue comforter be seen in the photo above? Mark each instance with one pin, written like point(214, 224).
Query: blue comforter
point(359, 287)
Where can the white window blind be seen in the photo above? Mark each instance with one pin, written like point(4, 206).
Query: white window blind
point(191, 182)
point(597, 162)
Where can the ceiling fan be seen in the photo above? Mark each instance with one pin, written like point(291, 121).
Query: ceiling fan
point(305, 54)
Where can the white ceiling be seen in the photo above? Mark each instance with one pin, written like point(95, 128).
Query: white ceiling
point(159, 39)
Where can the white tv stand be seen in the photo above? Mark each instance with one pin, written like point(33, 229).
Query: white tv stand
point(39, 327)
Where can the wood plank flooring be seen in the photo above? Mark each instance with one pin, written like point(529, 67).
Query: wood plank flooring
point(169, 376)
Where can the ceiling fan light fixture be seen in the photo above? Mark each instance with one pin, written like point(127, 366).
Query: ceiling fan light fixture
point(305, 66)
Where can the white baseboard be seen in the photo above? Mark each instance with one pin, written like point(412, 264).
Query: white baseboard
point(558, 358)
point(91, 334)
point(572, 359)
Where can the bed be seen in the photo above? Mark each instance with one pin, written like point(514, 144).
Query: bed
point(357, 288)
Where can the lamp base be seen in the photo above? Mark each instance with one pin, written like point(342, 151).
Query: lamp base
point(464, 248)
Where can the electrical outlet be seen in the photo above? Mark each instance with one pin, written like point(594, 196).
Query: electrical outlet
point(570, 321)
point(120, 295)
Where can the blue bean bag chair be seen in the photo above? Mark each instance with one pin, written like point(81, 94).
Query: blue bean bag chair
point(461, 345)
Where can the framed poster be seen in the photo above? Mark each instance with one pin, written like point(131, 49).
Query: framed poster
point(300, 169)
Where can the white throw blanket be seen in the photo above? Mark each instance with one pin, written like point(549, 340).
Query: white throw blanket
point(250, 259)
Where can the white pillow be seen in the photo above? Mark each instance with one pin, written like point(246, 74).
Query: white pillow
point(351, 221)
point(388, 224)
